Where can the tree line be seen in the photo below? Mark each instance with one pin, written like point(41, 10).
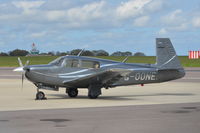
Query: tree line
point(19, 52)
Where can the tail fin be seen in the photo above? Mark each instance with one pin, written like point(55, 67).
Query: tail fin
point(166, 57)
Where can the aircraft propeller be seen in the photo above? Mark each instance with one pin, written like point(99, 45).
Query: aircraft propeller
point(21, 69)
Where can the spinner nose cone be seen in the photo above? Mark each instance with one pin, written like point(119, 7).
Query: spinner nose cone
point(27, 72)
point(27, 68)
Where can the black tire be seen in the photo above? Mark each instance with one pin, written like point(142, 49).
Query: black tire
point(72, 92)
point(92, 97)
point(40, 95)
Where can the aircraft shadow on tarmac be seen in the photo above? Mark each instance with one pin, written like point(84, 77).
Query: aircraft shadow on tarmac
point(120, 97)
point(62, 96)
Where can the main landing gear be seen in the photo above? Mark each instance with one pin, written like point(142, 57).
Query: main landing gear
point(40, 95)
point(72, 92)
point(94, 91)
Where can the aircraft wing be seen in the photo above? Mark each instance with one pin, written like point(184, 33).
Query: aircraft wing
point(104, 77)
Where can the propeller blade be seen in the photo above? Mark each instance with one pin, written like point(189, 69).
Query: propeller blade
point(22, 80)
point(19, 69)
point(20, 62)
point(27, 62)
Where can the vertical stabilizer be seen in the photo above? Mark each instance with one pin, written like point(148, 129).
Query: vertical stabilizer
point(166, 57)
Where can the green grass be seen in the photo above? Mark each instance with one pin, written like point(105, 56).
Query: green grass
point(12, 61)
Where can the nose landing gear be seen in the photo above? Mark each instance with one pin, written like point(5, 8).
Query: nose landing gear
point(40, 95)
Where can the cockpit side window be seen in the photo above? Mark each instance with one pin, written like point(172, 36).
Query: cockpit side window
point(90, 64)
point(72, 63)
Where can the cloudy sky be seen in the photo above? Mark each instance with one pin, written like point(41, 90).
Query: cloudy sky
point(112, 25)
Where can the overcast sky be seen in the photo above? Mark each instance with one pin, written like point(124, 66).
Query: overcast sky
point(112, 25)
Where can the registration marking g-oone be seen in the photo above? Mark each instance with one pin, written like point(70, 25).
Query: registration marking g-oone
point(145, 76)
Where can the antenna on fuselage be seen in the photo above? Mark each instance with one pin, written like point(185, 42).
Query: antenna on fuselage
point(79, 54)
point(125, 59)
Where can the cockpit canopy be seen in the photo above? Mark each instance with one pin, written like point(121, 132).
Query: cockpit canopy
point(75, 63)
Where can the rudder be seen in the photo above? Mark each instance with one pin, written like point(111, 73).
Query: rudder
point(166, 57)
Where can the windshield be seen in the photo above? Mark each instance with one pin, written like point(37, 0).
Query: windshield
point(57, 61)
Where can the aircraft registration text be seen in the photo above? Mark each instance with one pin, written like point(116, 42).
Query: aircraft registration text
point(142, 76)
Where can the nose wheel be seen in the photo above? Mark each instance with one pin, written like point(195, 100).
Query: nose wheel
point(40, 96)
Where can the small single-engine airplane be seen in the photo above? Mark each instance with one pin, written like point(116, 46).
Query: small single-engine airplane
point(73, 72)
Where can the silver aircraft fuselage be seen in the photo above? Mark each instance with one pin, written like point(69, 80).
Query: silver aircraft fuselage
point(56, 74)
